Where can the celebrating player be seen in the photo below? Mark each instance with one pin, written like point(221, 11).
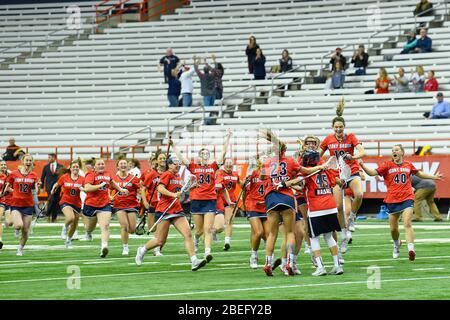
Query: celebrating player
point(97, 206)
point(5, 199)
point(203, 197)
point(169, 211)
point(400, 196)
point(126, 206)
point(71, 186)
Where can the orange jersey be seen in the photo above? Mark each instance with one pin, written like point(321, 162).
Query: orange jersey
point(340, 148)
point(254, 199)
point(22, 186)
point(228, 181)
point(151, 181)
point(205, 189)
point(5, 199)
point(99, 198)
point(319, 193)
point(70, 189)
point(132, 184)
point(276, 170)
point(173, 183)
point(397, 179)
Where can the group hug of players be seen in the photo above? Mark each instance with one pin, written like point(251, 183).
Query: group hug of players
point(300, 197)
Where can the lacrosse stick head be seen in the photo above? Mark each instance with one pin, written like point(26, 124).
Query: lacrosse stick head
point(332, 163)
point(344, 169)
point(140, 230)
point(310, 158)
point(189, 184)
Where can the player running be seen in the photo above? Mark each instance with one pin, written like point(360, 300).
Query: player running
point(5, 199)
point(71, 184)
point(97, 206)
point(171, 212)
point(24, 183)
point(400, 196)
point(203, 197)
point(126, 206)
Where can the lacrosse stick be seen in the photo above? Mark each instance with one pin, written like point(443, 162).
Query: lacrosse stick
point(250, 168)
point(331, 164)
point(344, 174)
point(189, 184)
point(39, 215)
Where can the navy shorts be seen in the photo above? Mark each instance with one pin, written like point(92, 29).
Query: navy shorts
point(301, 201)
point(127, 210)
point(298, 216)
point(219, 212)
point(399, 206)
point(278, 202)
point(28, 211)
point(168, 216)
point(151, 210)
point(6, 206)
point(90, 212)
point(76, 209)
point(254, 214)
point(203, 206)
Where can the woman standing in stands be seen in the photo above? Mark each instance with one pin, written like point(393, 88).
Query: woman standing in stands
point(126, 206)
point(250, 51)
point(203, 197)
point(24, 183)
point(71, 184)
point(259, 65)
point(5, 199)
point(97, 206)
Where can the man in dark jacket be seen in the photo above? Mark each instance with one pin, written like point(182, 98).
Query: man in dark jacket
point(48, 179)
point(338, 57)
point(424, 43)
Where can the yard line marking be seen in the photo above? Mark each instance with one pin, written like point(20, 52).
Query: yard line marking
point(380, 267)
point(190, 293)
point(425, 269)
point(98, 262)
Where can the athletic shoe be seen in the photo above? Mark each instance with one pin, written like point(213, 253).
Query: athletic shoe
point(75, 235)
point(341, 258)
point(396, 251)
point(336, 271)
point(319, 272)
point(208, 257)
point(104, 252)
point(125, 251)
point(276, 264)
point(284, 270)
point(157, 253)
point(344, 245)
point(254, 262)
point(1, 244)
point(268, 270)
point(412, 255)
point(226, 247)
point(197, 264)
point(87, 236)
point(296, 270)
point(68, 244)
point(349, 237)
point(64, 233)
point(307, 249)
point(289, 268)
point(16, 233)
point(139, 256)
point(19, 252)
point(351, 223)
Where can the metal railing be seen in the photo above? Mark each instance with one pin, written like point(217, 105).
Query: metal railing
point(183, 114)
point(129, 135)
point(235, 94)
point(284, 73)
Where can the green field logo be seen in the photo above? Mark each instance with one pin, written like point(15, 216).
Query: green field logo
point(74, 280)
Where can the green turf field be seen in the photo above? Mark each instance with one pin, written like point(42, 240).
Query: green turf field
point(42, 273)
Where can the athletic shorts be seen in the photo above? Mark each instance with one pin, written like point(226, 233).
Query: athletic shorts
point(301, 201)
point(278, 202)
point(203, 206)
point(254, 214)
point(298, 216)
point(169, 216)
point(399, 206)
point(127, 210)
point(6, 206)
point(323, 224)
point(219, 212)
point(28, 211)
point(151, 210)
point(90, 212)
point(76, 209)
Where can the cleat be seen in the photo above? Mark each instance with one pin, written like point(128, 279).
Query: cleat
point(68, 244)
point(197, 264)
point(126, 251)
point(341, 258)
point(104, 252)
point(254, 262)
point(307, 249)
point(19, 252)
point(157, 253)
point(226, 247)
point(319, 272)
point(268, 270)
point(396, 251)
point(296, 270)
point(336, 271)
point(208, 257)
point(351, 223)
point(344, 245)
point(412, 255)
point(64, 233)
point(289, 269)
point(75, 235)
point(276, 264)
point(284, 270)
point(139, 256)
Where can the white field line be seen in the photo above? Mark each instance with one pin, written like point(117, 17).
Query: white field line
point(191, 293)
point(203, 270)
point(426, 269)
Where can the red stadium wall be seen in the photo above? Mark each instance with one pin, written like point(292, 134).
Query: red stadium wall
point(373, 186)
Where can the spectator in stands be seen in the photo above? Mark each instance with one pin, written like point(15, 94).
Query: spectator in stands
point(169, 62)
point(259, 65)
point(424, 43)
point(417, 79)
point(424, 189)
point(250, 51)
point(134, 167)
point(48, 179)
point(441, 109)
point(285, 61)
point(338, 57)
point(217, 73)
point(401, 81)
point(360, 60)
point(174, 88)
point(13, 152)
point(431, 84)
point(187, 84)
point(207, 83)
point(383, 81)
point(423, 9)
point(338, 77)
point(411, 43)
